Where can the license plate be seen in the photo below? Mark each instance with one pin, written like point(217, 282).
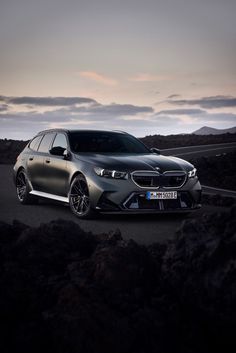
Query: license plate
point(161, 195)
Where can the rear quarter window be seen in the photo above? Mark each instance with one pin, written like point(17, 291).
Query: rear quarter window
point(34, 144)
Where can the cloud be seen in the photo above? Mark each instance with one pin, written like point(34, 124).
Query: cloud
point(219, 117)
point(173, 96)
point(3, 107)
point(155, 122)
point(113, 109)
point(47, 101)
point(72, 112)
point(145, 77)
point(94, 76)
point(25, 125)
point(96, 113)
point(181, 112)
point(208, 102)
point(201, 117)
point(34, 118)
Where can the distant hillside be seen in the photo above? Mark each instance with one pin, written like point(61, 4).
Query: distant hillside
point(172, 141)
point(9, 150)
point(206, 130)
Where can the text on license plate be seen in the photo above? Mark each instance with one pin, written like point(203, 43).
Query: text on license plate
point(161, 195)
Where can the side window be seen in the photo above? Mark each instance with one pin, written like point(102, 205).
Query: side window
point(46, 143)
point(60, 141)
point(34, 144)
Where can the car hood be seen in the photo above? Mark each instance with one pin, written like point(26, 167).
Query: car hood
point(131, 162)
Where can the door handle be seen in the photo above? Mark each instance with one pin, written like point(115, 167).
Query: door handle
point(47, 160)
point(31, 158)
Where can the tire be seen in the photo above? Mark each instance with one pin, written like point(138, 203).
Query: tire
point(23, 189)
point(79, 199)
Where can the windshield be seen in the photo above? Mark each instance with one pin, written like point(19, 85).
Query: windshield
point(105, 142)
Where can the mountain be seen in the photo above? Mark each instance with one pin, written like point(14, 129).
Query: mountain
point(206, 130)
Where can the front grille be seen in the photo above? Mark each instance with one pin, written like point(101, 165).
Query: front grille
point(169, 179)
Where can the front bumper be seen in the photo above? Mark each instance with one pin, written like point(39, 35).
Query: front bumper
point(109, 195)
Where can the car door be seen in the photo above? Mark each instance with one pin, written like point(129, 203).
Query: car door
point(34, 162)
point(40, 177)
point(55, 167)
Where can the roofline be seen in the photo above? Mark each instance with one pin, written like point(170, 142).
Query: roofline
point(78, 130)
point(52, 130)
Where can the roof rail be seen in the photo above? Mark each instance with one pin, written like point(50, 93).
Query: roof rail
point(51, 130)
point(124, 132)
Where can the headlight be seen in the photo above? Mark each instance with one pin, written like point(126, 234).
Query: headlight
point(192, 173)
point(110, 173)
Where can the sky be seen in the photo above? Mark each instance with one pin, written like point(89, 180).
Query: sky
point(146, 67)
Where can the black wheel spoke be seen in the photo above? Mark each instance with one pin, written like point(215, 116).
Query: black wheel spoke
point(78, 206)
point(21, 190)
point(77, 189)
point(86, 201)
point(75, 201)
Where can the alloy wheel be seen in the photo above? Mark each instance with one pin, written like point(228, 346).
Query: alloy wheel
point(21, 185)
point(79, 197)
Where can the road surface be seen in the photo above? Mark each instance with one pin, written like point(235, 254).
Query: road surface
point(144, 229)
point(223, 192)
point(190, 152)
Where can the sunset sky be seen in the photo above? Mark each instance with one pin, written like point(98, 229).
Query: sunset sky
point(147, 67)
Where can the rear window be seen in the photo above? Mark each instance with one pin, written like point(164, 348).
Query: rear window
point(46, 142)
point(34, 144)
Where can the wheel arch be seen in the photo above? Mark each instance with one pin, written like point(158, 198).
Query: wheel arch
point(94, 193)
point(75, 175)
point(19, 170)
point(16, 172)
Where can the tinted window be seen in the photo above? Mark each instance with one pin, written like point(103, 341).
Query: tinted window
point(105, 142)
point(46, 143)
point(60, 141)
point(34, 144)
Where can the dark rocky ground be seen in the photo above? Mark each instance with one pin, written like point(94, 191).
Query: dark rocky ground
point(217, 171)
point(218, 200)
point(64, 290)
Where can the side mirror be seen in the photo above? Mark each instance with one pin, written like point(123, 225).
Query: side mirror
point(155, 150)
point(57, 151)
point(66, 154)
